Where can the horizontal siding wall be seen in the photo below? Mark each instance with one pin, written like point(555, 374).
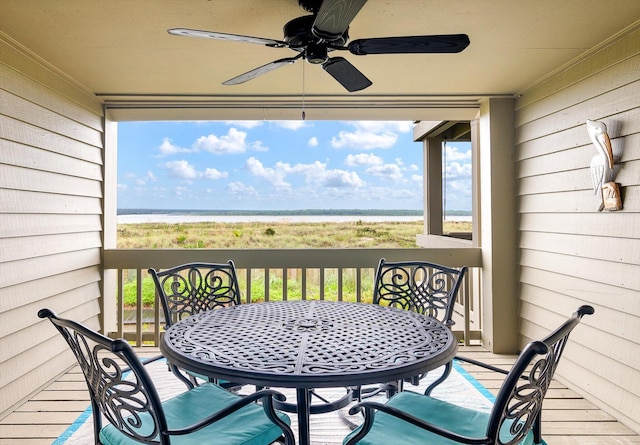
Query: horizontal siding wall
point(51, 139)
point(571, 254)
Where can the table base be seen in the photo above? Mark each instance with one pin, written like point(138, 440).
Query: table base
point(318, 408)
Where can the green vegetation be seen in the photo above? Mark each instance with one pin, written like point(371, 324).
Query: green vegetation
point(276, 283)
point(282, 235)
point(358, 234)
point(148, 291)
point(294, 286)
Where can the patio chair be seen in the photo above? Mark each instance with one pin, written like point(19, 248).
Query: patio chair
point(192, 288)
point(423, 287)
point(123, 393)
point(409, 417)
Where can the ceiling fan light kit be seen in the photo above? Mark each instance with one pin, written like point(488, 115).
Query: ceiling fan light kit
point(325, 30)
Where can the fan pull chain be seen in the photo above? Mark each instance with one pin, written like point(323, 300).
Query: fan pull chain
point(303, 113)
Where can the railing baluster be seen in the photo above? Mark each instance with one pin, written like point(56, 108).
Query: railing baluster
point(156, 319)
point(247, 285)
point(304, 283)
point(120, 304)
point(285, 274)
point(139, 307)
point(322, 283)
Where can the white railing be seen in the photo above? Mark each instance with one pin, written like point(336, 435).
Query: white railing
point(274, 274)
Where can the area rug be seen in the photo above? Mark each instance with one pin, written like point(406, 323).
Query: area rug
point(326, 429)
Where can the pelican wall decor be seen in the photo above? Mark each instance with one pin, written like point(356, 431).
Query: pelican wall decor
point(602, 168)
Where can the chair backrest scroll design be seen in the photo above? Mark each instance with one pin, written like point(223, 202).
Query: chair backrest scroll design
point(518, 405)
point(192, 288)
point(128, 400)
point(419, 286)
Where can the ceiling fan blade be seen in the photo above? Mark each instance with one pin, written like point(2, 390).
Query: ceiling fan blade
point(450, 43)
point(346, 74)
point(242, 78)
point(224, 36)
point(334, 17)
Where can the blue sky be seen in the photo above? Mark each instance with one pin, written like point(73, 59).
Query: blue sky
point(279, 165)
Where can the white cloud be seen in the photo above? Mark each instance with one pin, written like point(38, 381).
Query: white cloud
point(233, 142)
point(257, 146)
point(453, 153)
point(238, 188)
point(457, 174)
point(290, 125)
point(362, 140)
point(341, 178)
point(363, 159)
point(458, 177)
point(458, 171)
point(384, 126)
point(458, 186)
point(274, 176)
point(304, 169)
point(315, 173)
point(212, 173)
point(181, 169)
point(313, 142)
point(386, 171)
point(370, 135)
point(167, 148)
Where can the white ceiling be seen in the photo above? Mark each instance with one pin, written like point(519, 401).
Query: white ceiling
point(121, 51)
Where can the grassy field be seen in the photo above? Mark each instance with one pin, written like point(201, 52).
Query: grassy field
point(275, 235)
point(210, 235)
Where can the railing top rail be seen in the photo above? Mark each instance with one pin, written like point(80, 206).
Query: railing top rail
point(288, 258)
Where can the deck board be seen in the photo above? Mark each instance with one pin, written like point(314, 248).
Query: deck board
point(568, 419)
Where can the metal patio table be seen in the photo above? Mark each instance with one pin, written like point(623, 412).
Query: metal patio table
point(309, 344)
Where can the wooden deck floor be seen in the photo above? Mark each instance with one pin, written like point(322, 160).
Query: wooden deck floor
point(568, 419)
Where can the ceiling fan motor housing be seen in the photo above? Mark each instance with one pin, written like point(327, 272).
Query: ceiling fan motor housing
point(297, 33)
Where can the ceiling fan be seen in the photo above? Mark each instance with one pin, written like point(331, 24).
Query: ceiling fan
point(325, 30)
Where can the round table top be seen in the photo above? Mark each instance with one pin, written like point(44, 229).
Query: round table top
point(309, 344)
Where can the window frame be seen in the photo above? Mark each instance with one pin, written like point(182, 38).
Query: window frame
point(433, 134)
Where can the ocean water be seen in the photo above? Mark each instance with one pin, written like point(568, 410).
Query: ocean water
point(174, 218)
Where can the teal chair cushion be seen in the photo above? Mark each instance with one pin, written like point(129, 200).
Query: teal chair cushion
point(247, 426)
point(390, 430)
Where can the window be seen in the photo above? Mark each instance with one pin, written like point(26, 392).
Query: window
point(448, 180)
